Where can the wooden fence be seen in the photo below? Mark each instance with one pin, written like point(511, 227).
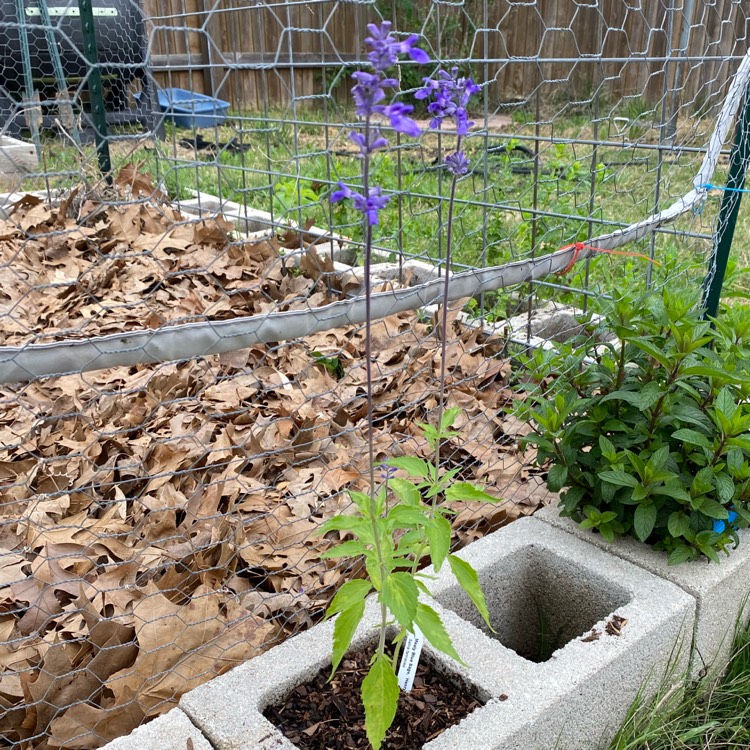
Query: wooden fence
point(263, 54)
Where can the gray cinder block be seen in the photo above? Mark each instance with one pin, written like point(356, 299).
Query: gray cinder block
point(720, 591)
point(170, 731)
point(609, 628)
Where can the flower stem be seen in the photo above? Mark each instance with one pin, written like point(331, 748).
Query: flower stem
point(370, 404)
point(444, 316)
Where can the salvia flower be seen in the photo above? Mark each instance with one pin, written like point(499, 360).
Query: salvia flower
point(385, 49)
point(368, 206)
point(457, 163)
point(449, 95)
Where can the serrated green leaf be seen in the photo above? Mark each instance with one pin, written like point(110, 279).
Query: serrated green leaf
point(556, 477)
point(361, 500)
point(713, 509)
point(692, 437)
point(709, 552)
point(415, 467)
point(405, 490)
point(380, 699)
point(644, 520)
point(400, 595)
point(677, 491)
point(724, 487)
point(678, 524)
point(468, 580)
point(348, 595)
point(642, 399)
point(434, 631)
point(439, 533)
point(606, 446)
point(467, 492)
point(618, 478)
point(653, 351)
point(343, 631)
point(725, 404)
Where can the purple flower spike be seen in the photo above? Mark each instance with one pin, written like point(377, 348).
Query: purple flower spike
point(457, 163)
point(448, 97)
point(368, 207)
point(386, 48)
point(376, 141)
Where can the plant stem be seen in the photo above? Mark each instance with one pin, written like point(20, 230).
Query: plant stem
point(444, 317)
point(370, 406)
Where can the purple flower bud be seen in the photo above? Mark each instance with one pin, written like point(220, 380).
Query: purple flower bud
point(376, 141)
point(457, 163)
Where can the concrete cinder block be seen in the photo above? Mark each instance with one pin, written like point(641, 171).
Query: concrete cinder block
point(170, 731)
point(533, 574)
point(721, 591)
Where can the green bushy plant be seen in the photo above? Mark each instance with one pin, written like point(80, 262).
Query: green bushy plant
point(647, 435)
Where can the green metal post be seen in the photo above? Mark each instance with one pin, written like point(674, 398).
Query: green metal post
point(730, 208)
point(96, 93)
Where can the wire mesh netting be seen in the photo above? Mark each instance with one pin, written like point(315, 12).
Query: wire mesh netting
point(185, 396)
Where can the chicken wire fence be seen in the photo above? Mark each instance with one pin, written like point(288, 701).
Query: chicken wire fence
point(185, 398)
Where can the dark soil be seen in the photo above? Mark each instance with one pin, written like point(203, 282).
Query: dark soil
point(322, 715)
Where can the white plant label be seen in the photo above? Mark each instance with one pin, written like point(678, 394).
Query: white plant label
point(409, 659)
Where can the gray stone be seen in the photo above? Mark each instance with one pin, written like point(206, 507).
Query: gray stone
point(532, 573)
point(170, 731)
point(720, 591)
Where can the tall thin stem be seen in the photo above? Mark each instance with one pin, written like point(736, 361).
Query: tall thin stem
point(370, 404)
point(444, 316)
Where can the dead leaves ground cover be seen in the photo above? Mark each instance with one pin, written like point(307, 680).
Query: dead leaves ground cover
point(158, 523)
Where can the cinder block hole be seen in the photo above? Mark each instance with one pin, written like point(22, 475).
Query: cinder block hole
point(538, 601)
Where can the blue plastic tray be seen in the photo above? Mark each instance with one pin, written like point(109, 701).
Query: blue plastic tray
point(188, 109)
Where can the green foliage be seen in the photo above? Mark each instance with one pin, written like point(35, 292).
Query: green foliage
point(291, 197)
point(647, 435)
point(394, 529)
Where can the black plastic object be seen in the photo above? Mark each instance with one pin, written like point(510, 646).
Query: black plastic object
point(120, 37)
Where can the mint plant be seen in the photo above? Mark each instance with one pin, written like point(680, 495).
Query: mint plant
point(648, 436)
point(402, 520)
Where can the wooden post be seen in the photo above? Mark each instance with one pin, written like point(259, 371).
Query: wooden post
point(212, 77)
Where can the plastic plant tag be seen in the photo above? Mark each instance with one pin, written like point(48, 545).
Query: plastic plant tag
point(409, 659)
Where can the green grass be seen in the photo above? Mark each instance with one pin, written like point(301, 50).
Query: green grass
point(502, 212)
point(707, 715)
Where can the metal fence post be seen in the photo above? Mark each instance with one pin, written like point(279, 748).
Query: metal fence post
point(96, 93)
point(730, 208)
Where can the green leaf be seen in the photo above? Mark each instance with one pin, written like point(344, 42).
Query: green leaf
point(606, 446)
point(405, 491)
point(725, 404)
point(439, 533)
point(468, 580)
point(406, 517)
point(680, 554)
point(467, 492)
point(340, 523)
point(449, 417)
point(678, 524)
point(415, 467)
point(618, 477)
point(653, 351)
point(350, 548)
point(642, 399)
point(713, 509)
point(380, 698)
point(400, 594)
point(434, 631)
point(677, 491)
point(725, 487)
point(361, 500)
point(644, 520)
point(343, 632)
point(692, 437)
point(556, 477)
point(348, 595)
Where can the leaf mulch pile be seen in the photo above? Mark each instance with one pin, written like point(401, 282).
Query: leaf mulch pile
point(323, 715)
point(158, 522)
